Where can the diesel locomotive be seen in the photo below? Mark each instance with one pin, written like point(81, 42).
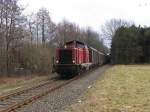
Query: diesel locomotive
point(75, 57)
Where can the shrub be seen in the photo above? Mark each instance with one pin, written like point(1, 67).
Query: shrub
point(37, 59)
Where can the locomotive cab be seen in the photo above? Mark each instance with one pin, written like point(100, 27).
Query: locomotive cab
point(65, 56)
point(65, 63)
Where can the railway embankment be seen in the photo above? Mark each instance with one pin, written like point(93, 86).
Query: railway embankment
point(8, 84)
point(123, 89)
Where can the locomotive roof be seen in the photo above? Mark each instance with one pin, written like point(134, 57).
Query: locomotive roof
point(75, 41)
point(78, 42)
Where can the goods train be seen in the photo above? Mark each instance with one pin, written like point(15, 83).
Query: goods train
point(75, 57)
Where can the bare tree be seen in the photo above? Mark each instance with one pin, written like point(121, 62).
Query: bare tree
point(31, 26)
point(37, 31)
point(46, 25)
point(2, 57)
point(10, 25)
point(67, 31)
point(109, 28)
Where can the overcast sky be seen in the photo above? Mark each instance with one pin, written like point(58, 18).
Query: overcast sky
point(93, 13)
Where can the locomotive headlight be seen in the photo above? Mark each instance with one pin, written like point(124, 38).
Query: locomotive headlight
point(57, 61)
point(73, 61)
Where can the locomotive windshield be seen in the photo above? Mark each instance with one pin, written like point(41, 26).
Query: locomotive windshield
point(65, 56)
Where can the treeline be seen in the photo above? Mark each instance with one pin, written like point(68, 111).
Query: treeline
point(27, 43)
point(131, 45)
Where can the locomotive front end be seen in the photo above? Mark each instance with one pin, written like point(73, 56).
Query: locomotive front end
point(65, 64)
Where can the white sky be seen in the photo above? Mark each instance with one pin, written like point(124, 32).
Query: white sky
point(93, 13)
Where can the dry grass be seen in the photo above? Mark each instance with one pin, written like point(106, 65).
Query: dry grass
point(123, 89)
point(11, 83)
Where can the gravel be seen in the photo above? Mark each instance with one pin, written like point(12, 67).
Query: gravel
point(58, 100)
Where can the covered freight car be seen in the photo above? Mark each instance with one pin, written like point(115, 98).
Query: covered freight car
point(96, 58)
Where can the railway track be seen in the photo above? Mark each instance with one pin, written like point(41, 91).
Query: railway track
point(11, 102)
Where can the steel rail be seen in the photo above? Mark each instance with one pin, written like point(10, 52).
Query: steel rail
point(18, 92)
point(19, 104)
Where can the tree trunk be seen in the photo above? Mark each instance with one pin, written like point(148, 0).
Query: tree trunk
point(43, 35)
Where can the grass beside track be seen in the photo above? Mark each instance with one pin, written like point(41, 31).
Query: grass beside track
point(12, 83)
point(123, 89)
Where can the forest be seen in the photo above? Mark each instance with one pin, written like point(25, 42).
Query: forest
point(131, 45)
point(28, 42)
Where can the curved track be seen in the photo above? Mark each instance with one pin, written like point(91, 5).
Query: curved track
point(15, 100)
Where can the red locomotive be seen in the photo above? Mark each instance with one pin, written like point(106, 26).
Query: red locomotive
point(76, 57)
